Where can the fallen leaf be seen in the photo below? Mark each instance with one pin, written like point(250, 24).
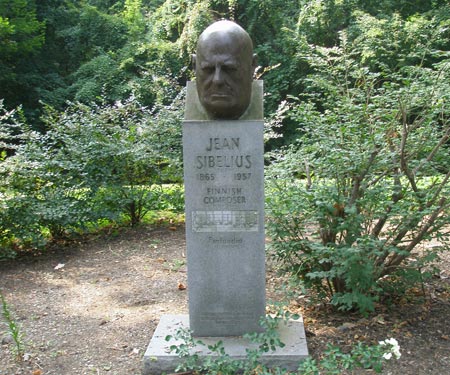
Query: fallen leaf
point(445, 337)
point(379, 319)
point(59, 266)
point(37, 372)
point(346, 326)
point(173, 228)
point(181, 286)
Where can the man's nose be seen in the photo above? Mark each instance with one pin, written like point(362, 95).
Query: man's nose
point(218, 75)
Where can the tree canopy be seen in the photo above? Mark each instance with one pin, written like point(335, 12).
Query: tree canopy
point(52, 52)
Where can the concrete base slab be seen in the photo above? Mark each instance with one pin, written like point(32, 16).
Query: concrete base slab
point(159, 360)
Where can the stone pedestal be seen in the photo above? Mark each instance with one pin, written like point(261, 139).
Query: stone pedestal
point(158, 359)
point(224, 195)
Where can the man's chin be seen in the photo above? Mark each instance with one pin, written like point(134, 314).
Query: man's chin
point(226, 112)
point(219, 106)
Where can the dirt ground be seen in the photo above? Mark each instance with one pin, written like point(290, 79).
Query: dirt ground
point(91, 308)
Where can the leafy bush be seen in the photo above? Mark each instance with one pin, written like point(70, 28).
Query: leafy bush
point(354, 199)
point(92, 163)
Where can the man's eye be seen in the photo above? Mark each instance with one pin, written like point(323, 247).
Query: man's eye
point(229, 68)
point(208, 69)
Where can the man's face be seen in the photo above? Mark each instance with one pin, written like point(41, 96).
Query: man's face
point(224, 70)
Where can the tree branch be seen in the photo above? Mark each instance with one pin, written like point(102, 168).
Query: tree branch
point(433, 152)
point(424, 230)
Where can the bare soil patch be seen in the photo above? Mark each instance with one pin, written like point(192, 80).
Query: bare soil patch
point(91, 308)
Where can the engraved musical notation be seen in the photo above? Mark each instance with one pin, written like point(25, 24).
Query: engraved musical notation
point(225, 221)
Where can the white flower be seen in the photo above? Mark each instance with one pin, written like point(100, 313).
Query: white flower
point(396, 352)
point(394, 348)
point(387, 356)
point(392, 341)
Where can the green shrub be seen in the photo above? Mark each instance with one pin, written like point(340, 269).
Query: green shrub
point(367, 184)
point(92, 163)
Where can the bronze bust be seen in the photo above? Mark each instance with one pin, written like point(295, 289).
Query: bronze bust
point(224, 67)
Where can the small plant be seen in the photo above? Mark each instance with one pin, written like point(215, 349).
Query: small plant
point(176, 265)
point(13, 329)
point(334, 361)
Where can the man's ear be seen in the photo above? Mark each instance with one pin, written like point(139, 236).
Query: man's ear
point(254, 63)
point(254, 60)
point(193, 60)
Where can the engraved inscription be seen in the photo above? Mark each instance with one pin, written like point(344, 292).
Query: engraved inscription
point(225, 221)
point(226, 195)
point(226, 241)
point(223, 161)
point(206, 176)
point(242, 176)
point(224, 190)
point(226, 318)
point(223, 144)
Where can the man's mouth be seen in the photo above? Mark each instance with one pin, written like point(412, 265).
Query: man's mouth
point(220, 96)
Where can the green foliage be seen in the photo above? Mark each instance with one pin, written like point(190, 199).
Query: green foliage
point(175, 27)
point(75, 33)
point(20, 32)
point(13, 329)
point(382, 31)
point(99, 78)
point(93, 163)
point(133, 16)
point(334, 361)
point(97, 40)
point(21, 38)
point(367, 183)
point(405, 8)
point(92, 33)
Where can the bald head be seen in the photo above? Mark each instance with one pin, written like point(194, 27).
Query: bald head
point(224, 67)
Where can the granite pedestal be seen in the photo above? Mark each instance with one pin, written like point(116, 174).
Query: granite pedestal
point(224, 195)
point(159, 360)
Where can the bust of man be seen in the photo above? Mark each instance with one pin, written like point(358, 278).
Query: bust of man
point(224, 66)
